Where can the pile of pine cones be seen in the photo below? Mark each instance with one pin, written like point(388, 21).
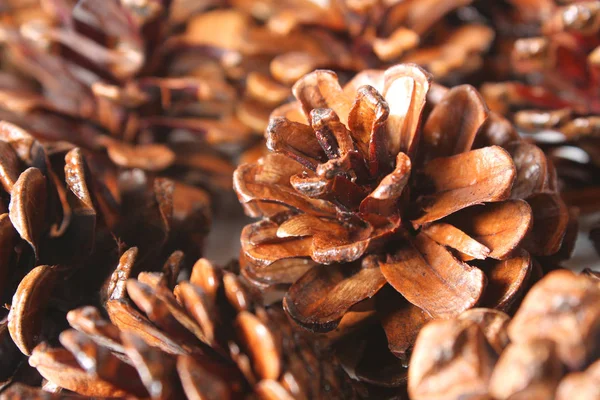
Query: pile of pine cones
point(416, 171)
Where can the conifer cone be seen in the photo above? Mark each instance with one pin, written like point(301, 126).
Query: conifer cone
point(445, 37)
point(207, 337)
point(394, 181)
point(439, 35)
point(213, 69)
point(62, 230)
point(552, 90)
point(112, 77)
point(549, 350)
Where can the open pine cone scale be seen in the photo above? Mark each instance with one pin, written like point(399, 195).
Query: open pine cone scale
point(548, 350)
point(62, 232)
point(395, 179)
point(203, 338)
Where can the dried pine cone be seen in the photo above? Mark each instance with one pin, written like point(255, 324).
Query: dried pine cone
point(395, 180)
point(549, 350)
point(113, 77)
point(263, 61)
point(346, 37)
point(62, 230)
point(555, 53)
point(438, 35)
point(203, 338)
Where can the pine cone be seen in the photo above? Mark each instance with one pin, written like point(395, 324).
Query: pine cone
point(112, 77)
point(550, 349)
point(62, 230)
point(203, 338)
point(555, 52)
point(395, 180)
point(347, 37)
point(438, 35)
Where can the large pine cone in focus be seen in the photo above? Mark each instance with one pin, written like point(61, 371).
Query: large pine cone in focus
point(553, 89)
point(62, 230)
point(394, 181)
point(549, 350)
point(207, 338)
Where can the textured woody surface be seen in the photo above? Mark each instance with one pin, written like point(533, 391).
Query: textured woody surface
point(484, 353)
point(62, 230)
point(387, 200)
point(393, 180)
point(208, 337)
point(116, 77)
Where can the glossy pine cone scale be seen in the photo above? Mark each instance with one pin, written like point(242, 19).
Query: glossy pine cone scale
point(393, 179)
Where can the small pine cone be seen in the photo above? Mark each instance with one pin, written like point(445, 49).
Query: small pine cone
point(555, 52)
point(113, 77)
point(549, 350)
point(434, 196)
point(61, 230)
point(207, 337)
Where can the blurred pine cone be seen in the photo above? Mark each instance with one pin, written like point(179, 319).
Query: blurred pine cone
point(62, 230)
point(208, 72)
point(207, 338)
point(549, 350)
point(553, 87)
point(442, 36)
point(112, 77)
point(447, 38)
point(395, 180)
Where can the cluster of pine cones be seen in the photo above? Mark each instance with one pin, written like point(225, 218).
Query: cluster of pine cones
point(418, 174)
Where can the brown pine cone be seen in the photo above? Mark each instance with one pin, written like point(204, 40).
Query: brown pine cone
point(212, 69)
point(62, 230)
point(112, 77)
point(207, 338)
point(549, 350)
point(395, 180)
point(439, 35)
point(445, 37)
point(271, 44)
point(554, 94)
